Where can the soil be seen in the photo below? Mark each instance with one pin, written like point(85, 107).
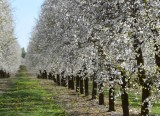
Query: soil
point(76, 104)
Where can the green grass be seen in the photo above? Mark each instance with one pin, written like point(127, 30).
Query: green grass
point(156, 109)
point(27, 98)
point(134, 100)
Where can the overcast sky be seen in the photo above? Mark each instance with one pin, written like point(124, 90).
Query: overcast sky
point(25, 12)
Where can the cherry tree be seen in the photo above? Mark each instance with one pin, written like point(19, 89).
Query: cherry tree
point(10, 53)
point(110, 40)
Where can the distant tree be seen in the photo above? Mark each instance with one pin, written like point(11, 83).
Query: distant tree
point(23, 52)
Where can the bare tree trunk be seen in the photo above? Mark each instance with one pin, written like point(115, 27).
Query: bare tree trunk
point(50, 76)
point(157, 54)
point(69, 82)
point(157, 49)
point(124, 95)
point(94, 87)
point(81, 86)
point(101, 98)
point(141, 74)
point(77, 83)
point(63, 80)
point(8, 75)
point(86, 86)
point(72, 82)
point(58, 80)
point(39, 75)
point(54, 79)
point(145, 103)
point(44, 74)
point(111, 94)
point(1, 74)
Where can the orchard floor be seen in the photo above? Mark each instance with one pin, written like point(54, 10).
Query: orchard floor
point(4, 85)
point(76, 104)
point(24, 95)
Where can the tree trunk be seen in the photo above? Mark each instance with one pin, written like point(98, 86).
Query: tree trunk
point(54, 79)
point(72, 82)
point(157, 50)
point(101, 98)
point(111, 95)
point(125, 104)
point(94, 87)
point(142, 77)
point(8, 75)
point(1, 74)
point(101, 95)
point(4, 74)
point(58, 80)
point(77, 84)
point(145, 102)
point(157, 54)
point(50, 76)
point(40, 74)
point(86, 86)
point(157, 47)
point(63, 81)
point(44, 74)
point(69, 82)
point(124, 95)
point(81, 86)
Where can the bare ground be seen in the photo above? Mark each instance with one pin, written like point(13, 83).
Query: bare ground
point(79, 105)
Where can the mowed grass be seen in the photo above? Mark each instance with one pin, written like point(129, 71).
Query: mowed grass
point(27, 98)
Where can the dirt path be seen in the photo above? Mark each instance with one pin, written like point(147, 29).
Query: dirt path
point(75, 104)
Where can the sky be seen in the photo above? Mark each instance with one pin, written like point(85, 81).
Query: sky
point(24, 14)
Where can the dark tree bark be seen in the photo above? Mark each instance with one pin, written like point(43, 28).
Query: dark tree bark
point(124, 95)
point(8, 75)
point(141, 74)
point(69, 82)
point(58, 80)
point(140, 64)
point(63, 81)
point(81, 86)
point(54, 79)
point(72, 82)
point(77, 83)
point(101, 95)
point(145, 103)
point(94, 87)
point(39, 75)
point(111, 94)
point(86, 81)
point(157, 49)
point(44, 74)
point(157, 54)
point(4, 74)
point(50, 77)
